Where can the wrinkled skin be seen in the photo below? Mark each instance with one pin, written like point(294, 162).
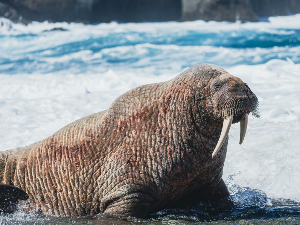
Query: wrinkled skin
point(152, 147)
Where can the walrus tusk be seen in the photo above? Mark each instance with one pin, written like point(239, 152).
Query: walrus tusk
point(243, 128)
point(225, 129)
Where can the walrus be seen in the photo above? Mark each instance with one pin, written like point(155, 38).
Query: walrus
point(153, 146)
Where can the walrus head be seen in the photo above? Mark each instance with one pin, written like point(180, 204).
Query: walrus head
point(232, 101)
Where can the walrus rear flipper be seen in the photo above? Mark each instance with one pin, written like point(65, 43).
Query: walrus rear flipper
point(9, 196)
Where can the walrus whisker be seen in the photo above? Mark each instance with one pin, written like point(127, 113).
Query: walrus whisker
point(243, 128)
point(225, 129)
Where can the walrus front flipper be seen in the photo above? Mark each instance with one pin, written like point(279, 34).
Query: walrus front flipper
point(134, 204)
point(215, 193)
point(9, 196)
point(216, 198)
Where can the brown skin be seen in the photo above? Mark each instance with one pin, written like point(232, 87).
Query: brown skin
point(151, 148)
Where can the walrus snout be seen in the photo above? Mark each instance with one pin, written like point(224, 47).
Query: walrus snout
point(235, 101)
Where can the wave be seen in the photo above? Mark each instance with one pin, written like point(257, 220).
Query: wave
point(71, 58)
point(76, 48)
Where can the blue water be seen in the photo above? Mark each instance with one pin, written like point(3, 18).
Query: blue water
point(140, 46)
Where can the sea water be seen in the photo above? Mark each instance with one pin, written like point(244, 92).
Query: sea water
point(54, 73)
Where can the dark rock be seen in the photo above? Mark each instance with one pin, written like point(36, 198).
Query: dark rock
point(95, 11)
point(266, 8)
point(136, 10)
point(8, 12)
point(218, 10)
point(41, 10)
point(56, 29)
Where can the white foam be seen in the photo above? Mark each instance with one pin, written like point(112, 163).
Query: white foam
point(268, 158)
